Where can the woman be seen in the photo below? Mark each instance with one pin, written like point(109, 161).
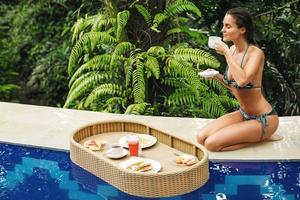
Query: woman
point(256, 120)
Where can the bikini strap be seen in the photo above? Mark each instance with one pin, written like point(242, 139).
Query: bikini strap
point(244, 56)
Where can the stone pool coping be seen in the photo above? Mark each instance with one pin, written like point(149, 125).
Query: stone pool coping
point(49, 127)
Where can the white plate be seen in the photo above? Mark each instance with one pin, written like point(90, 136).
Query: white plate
point(156, 166)
point(208, 73)
point(108, 154)
point(145, 141)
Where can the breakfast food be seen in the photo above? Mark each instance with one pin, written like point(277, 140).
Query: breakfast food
point(186, 159)
point(179, 159)
point(140, 166)
point(94, 145)
point(145, 142)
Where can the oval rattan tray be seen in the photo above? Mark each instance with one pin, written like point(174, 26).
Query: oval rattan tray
point(170, 181)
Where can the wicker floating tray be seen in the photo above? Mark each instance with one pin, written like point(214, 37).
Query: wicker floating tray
point(170, 181)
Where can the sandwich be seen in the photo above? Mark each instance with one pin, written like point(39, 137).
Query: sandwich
point(140, 166)
point(94, 145)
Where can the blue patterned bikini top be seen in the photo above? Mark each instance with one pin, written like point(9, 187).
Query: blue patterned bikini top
point(233, 82)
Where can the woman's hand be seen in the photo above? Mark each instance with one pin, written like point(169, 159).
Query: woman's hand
point(221, 48)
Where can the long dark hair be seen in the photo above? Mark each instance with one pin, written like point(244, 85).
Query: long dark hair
point(244, 19)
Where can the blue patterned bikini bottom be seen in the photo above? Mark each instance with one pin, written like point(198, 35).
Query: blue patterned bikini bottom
point(261, 118)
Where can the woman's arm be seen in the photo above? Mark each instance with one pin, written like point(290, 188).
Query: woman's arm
point(242, 75)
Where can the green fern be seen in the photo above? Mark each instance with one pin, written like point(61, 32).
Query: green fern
point(102, 90)
point(121, 49)
point(179, 68)
point(97, 63)
point(102, 21)
point(145, 13)
point(128, 69)
point(182, 96)
point(109, 73)
point(88, 42)
point(212, 105)
point(86, 85)
point(152, 65)
point(173, 10)
point(101, 76)
point(215, 86)
point(138, 81)
point(158, 18)
point(157, 51)
point(78, 27)
point(197, 56)
point(115, 105)
point(137, 108)
point(175, 82)
point(228, 102)
point(122, 19)
point(179, 7)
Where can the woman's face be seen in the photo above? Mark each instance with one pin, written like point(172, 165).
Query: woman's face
point(230, 30)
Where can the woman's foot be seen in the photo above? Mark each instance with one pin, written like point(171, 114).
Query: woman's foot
point(274, 137)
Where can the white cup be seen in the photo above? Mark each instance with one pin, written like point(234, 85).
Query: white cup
point(116, 150)
point(212, 40)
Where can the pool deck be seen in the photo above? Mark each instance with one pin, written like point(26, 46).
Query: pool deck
point(49, 127)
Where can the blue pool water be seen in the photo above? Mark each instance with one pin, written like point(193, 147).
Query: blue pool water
point(33, 173)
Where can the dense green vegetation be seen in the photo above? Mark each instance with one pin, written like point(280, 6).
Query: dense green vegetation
point(148, 69)
point(119, 56)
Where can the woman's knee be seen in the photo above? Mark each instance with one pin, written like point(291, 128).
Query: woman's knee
point(201, 137)
point(212, 144)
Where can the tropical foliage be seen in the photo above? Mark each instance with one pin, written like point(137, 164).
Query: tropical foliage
point(34, 40)
point(138, 54)
point(110, 72)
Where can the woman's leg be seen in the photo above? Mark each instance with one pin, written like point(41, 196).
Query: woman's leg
point(217, 124)
point(240, 134)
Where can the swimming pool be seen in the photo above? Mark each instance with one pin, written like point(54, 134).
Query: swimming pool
point(34, 173)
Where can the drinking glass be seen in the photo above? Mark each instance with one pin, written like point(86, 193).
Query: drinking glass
point(133, 144)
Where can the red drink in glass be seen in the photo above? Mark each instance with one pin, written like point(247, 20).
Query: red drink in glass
point(133, 144)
